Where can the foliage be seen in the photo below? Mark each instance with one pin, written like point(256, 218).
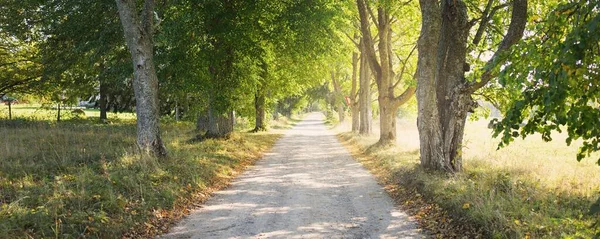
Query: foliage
point(20, 68)
point(553, 76)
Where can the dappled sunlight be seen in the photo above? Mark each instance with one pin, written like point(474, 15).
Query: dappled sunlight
point(307, 187)
point(91, 175)
point(551, 163)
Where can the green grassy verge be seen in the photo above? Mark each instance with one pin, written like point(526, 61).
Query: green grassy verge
point(77, 180)
point(486, 200)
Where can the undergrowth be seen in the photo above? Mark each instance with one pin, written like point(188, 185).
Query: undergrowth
point(484, 201)
point(69, 180)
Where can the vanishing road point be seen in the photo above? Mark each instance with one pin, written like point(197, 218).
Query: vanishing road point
point(308, 186)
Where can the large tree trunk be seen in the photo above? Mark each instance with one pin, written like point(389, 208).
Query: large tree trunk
point(259, 107)
point(202, 121)
point(226, 123)
point(212, 129)
point(443, 94)
point(354, 105)
point(442, 105)
point(366, 115)
point(139, 31)
point(387, 122)
point(103, 101)
point(219, 125)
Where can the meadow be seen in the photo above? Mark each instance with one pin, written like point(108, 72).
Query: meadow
point(81, 178)
point(530, 189)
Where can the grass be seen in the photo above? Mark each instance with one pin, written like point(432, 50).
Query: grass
point(39, 113)
point(531, 189)
point(78, 179)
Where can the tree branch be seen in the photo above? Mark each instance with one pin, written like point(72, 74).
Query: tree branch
point(513, 35)
point(352, 39)
point(485, 18)
point(4, 88)
point(367, 37)
point(404, 97)
point(148, 17)
point(404, 64)
point(15, 62)
point(372, 14)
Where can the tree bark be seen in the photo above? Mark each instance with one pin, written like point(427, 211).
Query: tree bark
point(442, 51)
point(177, 111)
point(260, 100)
point(9, 109)
point(103, 101)
point(259, 107)
point(354, 105)
point(443, 93)
point(58, 113)
point(139, 31)
point(202, 121)
point(366, 115)
point(219, 125)
point(212, 129)
point(338, 97)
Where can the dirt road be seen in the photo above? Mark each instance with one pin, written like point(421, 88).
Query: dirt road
point(307, 187)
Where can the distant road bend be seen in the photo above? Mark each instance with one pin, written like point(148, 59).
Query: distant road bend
point(307, 187)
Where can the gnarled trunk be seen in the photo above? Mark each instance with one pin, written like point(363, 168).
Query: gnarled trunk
point(442, 105)
point(219, 124)
point(139, 31)
point(443, 94)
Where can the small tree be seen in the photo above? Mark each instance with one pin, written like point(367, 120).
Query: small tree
point(381, 64)
point(9, 101)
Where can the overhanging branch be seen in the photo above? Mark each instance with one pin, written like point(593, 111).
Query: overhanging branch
point(513, 35)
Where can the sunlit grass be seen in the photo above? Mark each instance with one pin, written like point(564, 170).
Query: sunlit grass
point(531, 188)
point(38, 112)
point(84, 179)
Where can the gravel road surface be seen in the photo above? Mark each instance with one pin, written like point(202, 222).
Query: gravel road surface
point(308, 186)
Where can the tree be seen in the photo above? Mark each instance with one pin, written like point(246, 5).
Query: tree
point(9, 101)
point(364, 98)
point(354, 91)
point(338, 96)
point(382, 66)
point(553, 76)
point(70, 44)
point(138, 27)
point(443, 90)
point(20, 67)
point(20, 64)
